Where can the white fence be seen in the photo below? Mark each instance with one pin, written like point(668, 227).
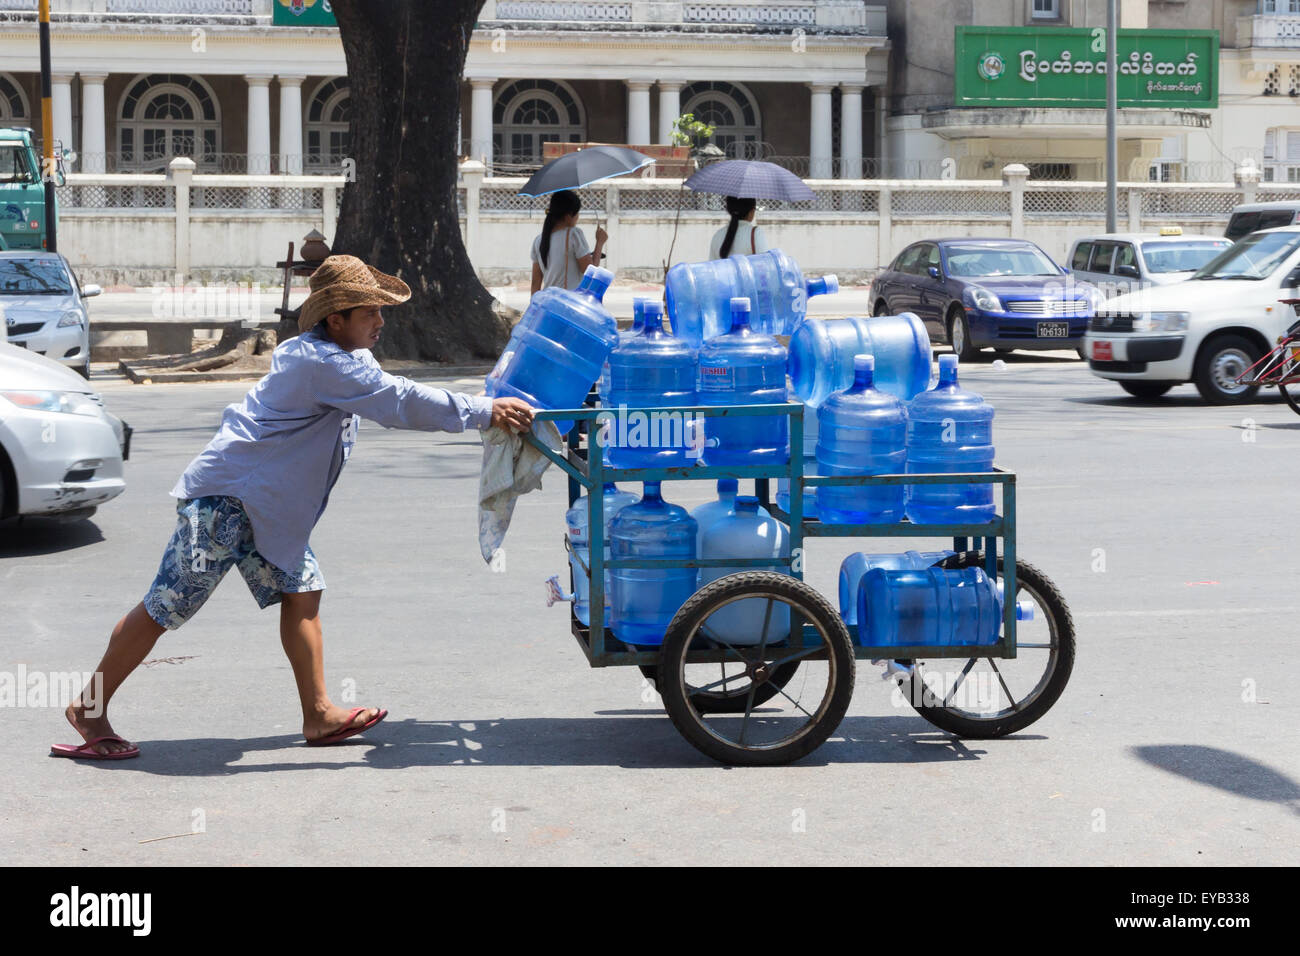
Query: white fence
point(137, 229)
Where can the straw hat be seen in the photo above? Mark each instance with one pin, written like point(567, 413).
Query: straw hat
point(344, 282)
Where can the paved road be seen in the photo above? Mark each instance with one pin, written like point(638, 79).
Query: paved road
point(1167, 527)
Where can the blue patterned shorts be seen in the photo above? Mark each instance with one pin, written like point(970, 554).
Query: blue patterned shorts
point(213, 534)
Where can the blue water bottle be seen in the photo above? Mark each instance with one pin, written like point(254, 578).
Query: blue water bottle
point(822, 352)
point(932, 607)
point(748, 532)
point(949, 430)
point(651, 369)
point(580, 544)
point(858, 564)
point(557, 349)
point(644, 600)
point(743, 367)
point(711, 511)
point(861, 431)
point(638, 322)
point(698, 294)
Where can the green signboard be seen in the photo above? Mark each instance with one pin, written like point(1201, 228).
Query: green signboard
point(302, 13)
point(1066, 67)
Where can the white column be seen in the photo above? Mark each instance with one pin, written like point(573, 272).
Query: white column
point(291, 124)
point(61, 100)
point(259, 124)
point(93, 154)
point(480, 121)
point(819, 125)
point(670, 107)
point(850, 131)
point(638, 112)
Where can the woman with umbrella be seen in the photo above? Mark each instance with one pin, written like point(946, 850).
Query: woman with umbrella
point(740, 237)
point(560, 253)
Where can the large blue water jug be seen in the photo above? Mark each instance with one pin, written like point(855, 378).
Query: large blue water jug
point(699, 294)
point(644, 600)
point(862, 431)
point(580, 547)
point(748, 532)
point(857, 564)
point(711, 511)
point(744, 367)
point(558, 347)
point(651, 369)
point(949, 430)
point(638, 322)
point(931, 606)
point(822, 352)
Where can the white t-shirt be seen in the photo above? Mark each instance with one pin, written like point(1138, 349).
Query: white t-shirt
point(560, 269)
point(749, 240)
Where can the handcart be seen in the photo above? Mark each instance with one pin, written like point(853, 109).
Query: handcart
point(778, 699)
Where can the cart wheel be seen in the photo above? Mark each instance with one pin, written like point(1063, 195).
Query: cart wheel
point(803, 712)
point(732, 695)
point(991, 697)
point(1291, 393)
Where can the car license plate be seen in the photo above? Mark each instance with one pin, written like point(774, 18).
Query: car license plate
point(1053, 330)
point(1103, 352)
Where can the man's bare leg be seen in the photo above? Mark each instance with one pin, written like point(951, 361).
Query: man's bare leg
point(303, 642)
point(130, 643)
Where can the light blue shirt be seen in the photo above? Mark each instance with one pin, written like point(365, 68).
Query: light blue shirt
point(282, 448)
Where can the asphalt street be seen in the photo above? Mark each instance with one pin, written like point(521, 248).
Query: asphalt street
point(1164, 524)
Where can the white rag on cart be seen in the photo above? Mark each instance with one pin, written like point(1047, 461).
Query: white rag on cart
point(511, 467)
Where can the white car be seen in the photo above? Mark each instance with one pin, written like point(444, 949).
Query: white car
point(61, 453)
point(1207, 330)
point(1120, 262)
point(43, 307)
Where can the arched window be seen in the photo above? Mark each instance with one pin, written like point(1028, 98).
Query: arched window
point(164, 115)
point(528, 113)
point(731, 111)
point(329, 135)
point(13, 104)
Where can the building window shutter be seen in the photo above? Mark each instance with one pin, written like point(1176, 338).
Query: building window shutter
point(1270, 141)
point(1293, 146)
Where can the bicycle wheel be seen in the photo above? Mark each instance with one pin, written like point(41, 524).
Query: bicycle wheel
point(800, 714)
point(1291, 395)
point(990, 697)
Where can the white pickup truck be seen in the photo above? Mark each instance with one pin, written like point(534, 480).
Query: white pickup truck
point(1206, 330)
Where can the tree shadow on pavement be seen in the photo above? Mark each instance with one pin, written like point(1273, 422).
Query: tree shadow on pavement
point(31, 537)
point(1225, 770)
point(643, 739)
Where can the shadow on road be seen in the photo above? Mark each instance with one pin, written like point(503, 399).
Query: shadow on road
point(633, 739)
point(31, 537)
point(1225, 770)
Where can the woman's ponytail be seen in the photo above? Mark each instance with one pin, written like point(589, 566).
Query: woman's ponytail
point(563, 203)
point(738, 208)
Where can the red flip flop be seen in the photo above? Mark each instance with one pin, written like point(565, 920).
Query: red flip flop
point(86, 751)
point(346, 730)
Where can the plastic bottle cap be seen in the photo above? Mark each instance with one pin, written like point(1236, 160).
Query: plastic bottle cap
point(653, 307)
point(746, 503)
point(947, 361)
point(600, 280)
point(728, 486)
point(740, 304)
point(864, 363)
point(832, 284)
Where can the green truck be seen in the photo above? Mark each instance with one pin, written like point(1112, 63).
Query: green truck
point(22, 193)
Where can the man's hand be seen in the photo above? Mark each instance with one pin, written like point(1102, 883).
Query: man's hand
point(512, 413)
point(601, 236)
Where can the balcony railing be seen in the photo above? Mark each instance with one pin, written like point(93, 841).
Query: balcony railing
point(1269, 30)
point(780, 14)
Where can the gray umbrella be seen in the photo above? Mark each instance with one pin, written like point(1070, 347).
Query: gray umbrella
point(586, 166)
point(750, 179)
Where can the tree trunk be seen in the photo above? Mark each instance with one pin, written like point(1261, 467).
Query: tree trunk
point(405, 60)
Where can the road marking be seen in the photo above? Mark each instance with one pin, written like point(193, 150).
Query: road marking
point(1191, 612)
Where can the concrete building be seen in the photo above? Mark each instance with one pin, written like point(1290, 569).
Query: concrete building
point(1256, 118)
point(139, 81)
